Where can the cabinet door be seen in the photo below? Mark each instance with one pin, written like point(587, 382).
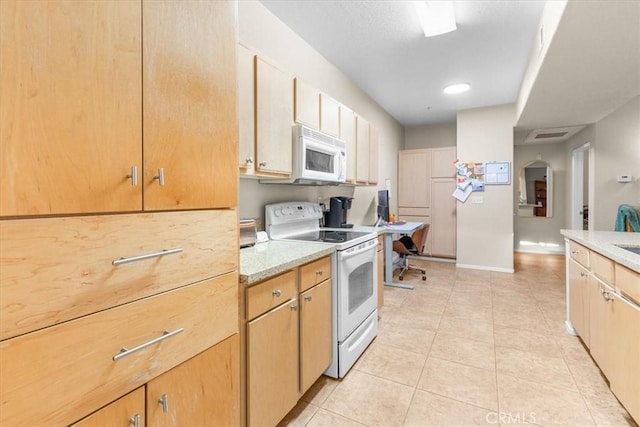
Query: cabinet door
point(307, 104)
point(189, 95)
point(348, 135)
point(274, 117)
point(373, 155)
point(70, 110)
point(329, 115)
point(599, 322)
point(246, 105)
point(128, 411)
point(315, 333)
point(272, 365)
point(443, 218)
point(442, 160)
point(414, 179)
point(624, 375)
point(579, 300)
point(204, 390)
point(362, 150)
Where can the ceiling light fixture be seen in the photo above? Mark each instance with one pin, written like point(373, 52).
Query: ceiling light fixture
point(436, 17)
point(456, 88)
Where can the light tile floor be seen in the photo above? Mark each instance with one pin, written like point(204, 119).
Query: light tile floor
point(470, 347)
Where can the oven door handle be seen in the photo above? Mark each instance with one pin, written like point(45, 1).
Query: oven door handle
point(348, 254)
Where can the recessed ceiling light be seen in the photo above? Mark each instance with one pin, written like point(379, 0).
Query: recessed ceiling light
point(457, 88)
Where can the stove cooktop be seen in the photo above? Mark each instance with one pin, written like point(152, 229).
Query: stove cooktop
point(329, 236)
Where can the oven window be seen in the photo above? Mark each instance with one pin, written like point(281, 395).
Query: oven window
point(319, 162)
point(360, 286)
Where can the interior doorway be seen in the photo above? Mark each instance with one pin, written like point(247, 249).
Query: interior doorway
point(581, 195)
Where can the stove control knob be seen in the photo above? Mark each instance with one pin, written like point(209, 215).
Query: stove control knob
point(277, 212)
point(286, 211)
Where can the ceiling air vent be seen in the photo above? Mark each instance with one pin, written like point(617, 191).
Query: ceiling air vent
point(552, 135)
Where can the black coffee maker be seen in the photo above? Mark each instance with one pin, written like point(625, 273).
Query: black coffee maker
point(336, 216)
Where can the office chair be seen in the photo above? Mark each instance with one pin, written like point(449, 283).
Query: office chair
point(414, 245)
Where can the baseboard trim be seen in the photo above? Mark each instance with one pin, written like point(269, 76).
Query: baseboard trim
point(429, 258)
point(485, 268)
point(542, 252)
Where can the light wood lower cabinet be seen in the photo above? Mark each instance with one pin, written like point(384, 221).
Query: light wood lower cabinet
point(579, 300)
point(203, 391)
point(128, 411)
point(315, 333)
point(599, 315)
point(272, 364)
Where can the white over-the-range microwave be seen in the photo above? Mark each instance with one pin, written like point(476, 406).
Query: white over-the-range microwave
point(318, 158)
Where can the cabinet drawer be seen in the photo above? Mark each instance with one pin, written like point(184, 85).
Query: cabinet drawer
point(579, 253)
point(122, 412)
point(402, 212)
point(59, 374)
point(315, 272)
point(270, 293)
point(57, 269)
point(628, 281)
point(601, 267)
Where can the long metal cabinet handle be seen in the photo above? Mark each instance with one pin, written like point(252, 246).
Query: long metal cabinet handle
point(163, 252)
point(164, 401)
point(160, 176)
point(135, 420)
point(127, 351)
point(133, 176)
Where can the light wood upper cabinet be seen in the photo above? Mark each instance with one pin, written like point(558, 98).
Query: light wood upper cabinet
point(362, 150)
point(348, 135)
point(414, 178)
point(329, 115)
point(373, 155)
point(246, 107)
point(74, 111)
point(190, 120)
point(71, 106)
point(307, 104)
point(274, 118)
point(442, 162)
point(203, 391)
point(315, 333)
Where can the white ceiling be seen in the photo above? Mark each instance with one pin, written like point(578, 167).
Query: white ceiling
point(591, 68)
point(381, 47)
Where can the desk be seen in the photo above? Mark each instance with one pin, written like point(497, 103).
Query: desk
point(389, 231)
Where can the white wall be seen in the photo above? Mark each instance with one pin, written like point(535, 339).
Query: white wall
point(542, 229)
point(430, 136)
point(617, 152)
point(485, 230)
point(261, 31)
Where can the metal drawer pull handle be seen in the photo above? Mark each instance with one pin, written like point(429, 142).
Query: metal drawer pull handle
point(319, 272)
point(133, 176)
point(277, 293)
point(135, 420)
point(163, 252)
point(160, 176)
point(294, 307)
point(575, 252)
point(262, 164)
point(583, 274)
point(164, 401)
point(607, 296)
point(308, 298)
point(127, 351)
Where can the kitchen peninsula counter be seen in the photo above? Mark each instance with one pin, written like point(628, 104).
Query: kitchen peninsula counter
point(604, 242)
point(273, 257)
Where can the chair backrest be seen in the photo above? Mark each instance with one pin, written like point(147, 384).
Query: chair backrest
point(419, 237)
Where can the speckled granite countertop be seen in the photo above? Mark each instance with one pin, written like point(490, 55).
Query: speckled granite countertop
point(604, 242)
point(277, 256)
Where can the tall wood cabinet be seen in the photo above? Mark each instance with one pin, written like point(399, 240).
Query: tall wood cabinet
point(426, 180)
point(125, 110)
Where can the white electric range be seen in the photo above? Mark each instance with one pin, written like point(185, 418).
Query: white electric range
point(354, 276)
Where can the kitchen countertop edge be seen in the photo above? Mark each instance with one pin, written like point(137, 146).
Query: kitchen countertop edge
point(274, 257)
point(604, 242)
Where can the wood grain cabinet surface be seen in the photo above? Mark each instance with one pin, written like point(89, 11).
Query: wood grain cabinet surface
point(74, 112)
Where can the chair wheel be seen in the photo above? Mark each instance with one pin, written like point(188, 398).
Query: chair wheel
point(400, 277)
point(424, 277)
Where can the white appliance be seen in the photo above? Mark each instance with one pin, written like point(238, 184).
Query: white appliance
point(317, 158)
point(354, 276)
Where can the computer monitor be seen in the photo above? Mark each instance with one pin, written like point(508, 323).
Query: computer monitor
point(383, 204)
